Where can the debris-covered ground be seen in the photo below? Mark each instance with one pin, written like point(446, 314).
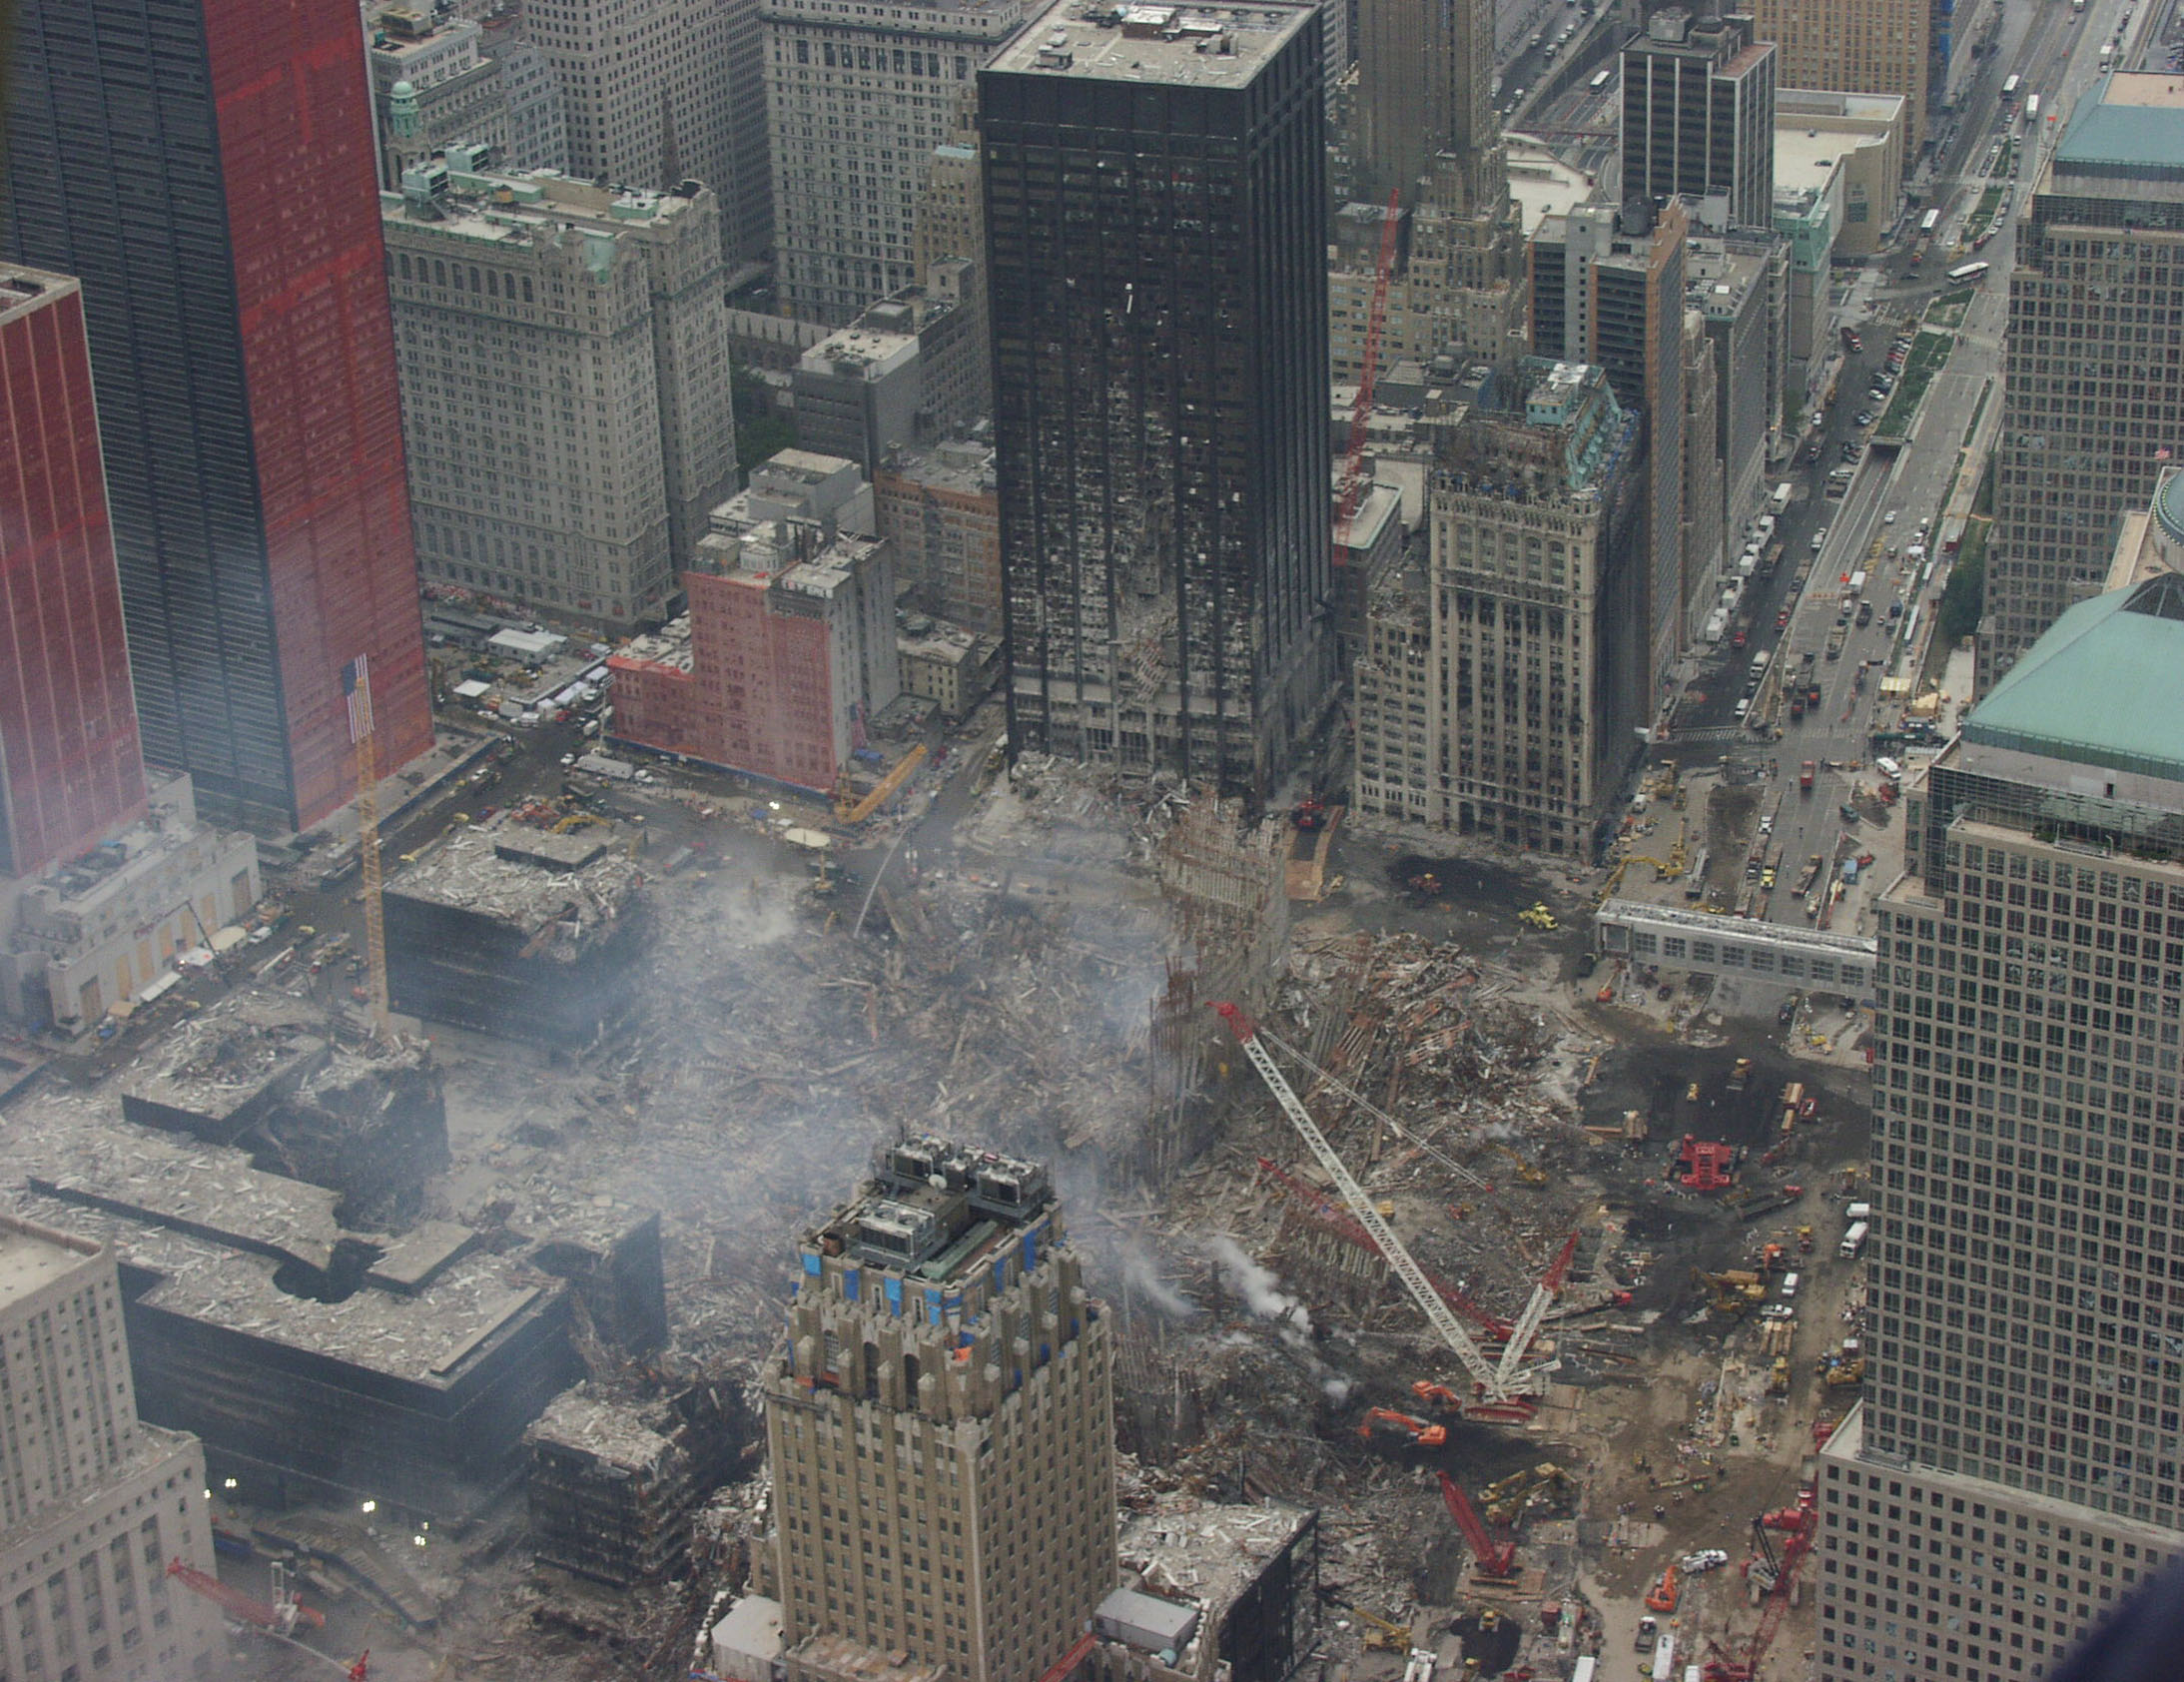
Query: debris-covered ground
point(1045, 988)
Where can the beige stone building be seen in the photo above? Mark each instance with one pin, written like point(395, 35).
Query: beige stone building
point(1852, 147)
point(1498, 694)
point(858, 99)
point(1705, 521)
point(940, 508)
point(657, 92)
point(1855, 47)
point(94, 1502)
point(940, 1426)
point(565, 391)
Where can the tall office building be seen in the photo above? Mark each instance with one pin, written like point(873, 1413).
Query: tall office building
point(941, 1430)
point(857, 101)
point(1500, 694)
point(1154, 199)
point(2015, 1467)
point(565, 381)
point(658, 92)
point(1699, 114)
point(233, 287)
point(1853, 47)
point(94, 1502)
point(69, 768)
point(1741, 286)
point(2093, 388)
point(1607, 286)
point(1706, 519)
point(1424, 75)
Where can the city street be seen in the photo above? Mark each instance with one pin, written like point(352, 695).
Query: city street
point(2055, 54)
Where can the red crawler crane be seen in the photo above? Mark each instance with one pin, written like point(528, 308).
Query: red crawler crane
point(1490, 1558)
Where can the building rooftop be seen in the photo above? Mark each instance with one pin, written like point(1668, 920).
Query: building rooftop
point(1198, 46)
point(517, 873)
point(1808, 155)
point(23, 288)
point(34, 1256)
point(961, 464)
point(933, 1210)
point(460, 197)
point(2104, 686)
point(869, 352)
point(2132, 126)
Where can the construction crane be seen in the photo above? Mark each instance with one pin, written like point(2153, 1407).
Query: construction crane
point(1379, 1115)
point(849, 809)
point(356, 691)
point(1780, 1579)
point(1069, 1661)
point(1334, 1219)
point(1490, 1558)
point(281, 1615)
point(1535, 1314)
point(1354, 467)
point(1501, 1395)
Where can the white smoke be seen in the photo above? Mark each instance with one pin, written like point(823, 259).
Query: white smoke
point(1258, 1287)
point(1144, 1278)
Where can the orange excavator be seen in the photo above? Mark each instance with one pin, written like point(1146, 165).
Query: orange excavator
point(1667, 1592)
point(1425, 1435)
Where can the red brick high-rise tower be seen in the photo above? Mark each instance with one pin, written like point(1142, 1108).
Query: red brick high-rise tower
point(70, 769)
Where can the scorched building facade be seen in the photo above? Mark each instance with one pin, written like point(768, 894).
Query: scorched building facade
point(1154, 191)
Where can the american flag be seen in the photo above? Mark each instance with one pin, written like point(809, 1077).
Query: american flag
point(356, 688)
point(2162, 455)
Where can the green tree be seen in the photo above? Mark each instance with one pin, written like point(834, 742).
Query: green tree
point(1966, 591)
point(761, 428)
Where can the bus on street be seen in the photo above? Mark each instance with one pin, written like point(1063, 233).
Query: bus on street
point(1969, 272)
point(1600, 80)
point(1930, 222)
point(2010, 91)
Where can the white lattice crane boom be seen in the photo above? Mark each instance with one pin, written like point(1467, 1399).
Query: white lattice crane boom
point(1399, 1260)
point(1535, 1314)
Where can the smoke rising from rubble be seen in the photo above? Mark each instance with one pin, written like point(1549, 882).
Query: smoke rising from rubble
point(1141, 1276)
point(1259, 1287)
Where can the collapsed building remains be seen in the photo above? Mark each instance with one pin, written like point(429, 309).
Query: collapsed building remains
point(520, 929)
point(319, 1358)
point(613, 1478)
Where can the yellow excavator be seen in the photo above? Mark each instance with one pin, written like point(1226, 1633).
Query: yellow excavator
point(1381, 1634)
point(576, 820)
point(1528, 1172)
point(1735, 1293)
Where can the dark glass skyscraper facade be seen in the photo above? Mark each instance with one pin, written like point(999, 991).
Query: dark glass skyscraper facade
point(1155, 191)
point(207, 171)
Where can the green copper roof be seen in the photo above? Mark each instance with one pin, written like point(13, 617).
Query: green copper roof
point(2112, 132)
point(2169, 505)
point(2104, 686)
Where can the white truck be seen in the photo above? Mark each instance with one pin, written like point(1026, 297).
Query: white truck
point(1854, 1240)
point(1780, 501)
point(621, 770)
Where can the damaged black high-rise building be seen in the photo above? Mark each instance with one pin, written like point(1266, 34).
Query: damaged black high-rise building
point(1155, 187)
